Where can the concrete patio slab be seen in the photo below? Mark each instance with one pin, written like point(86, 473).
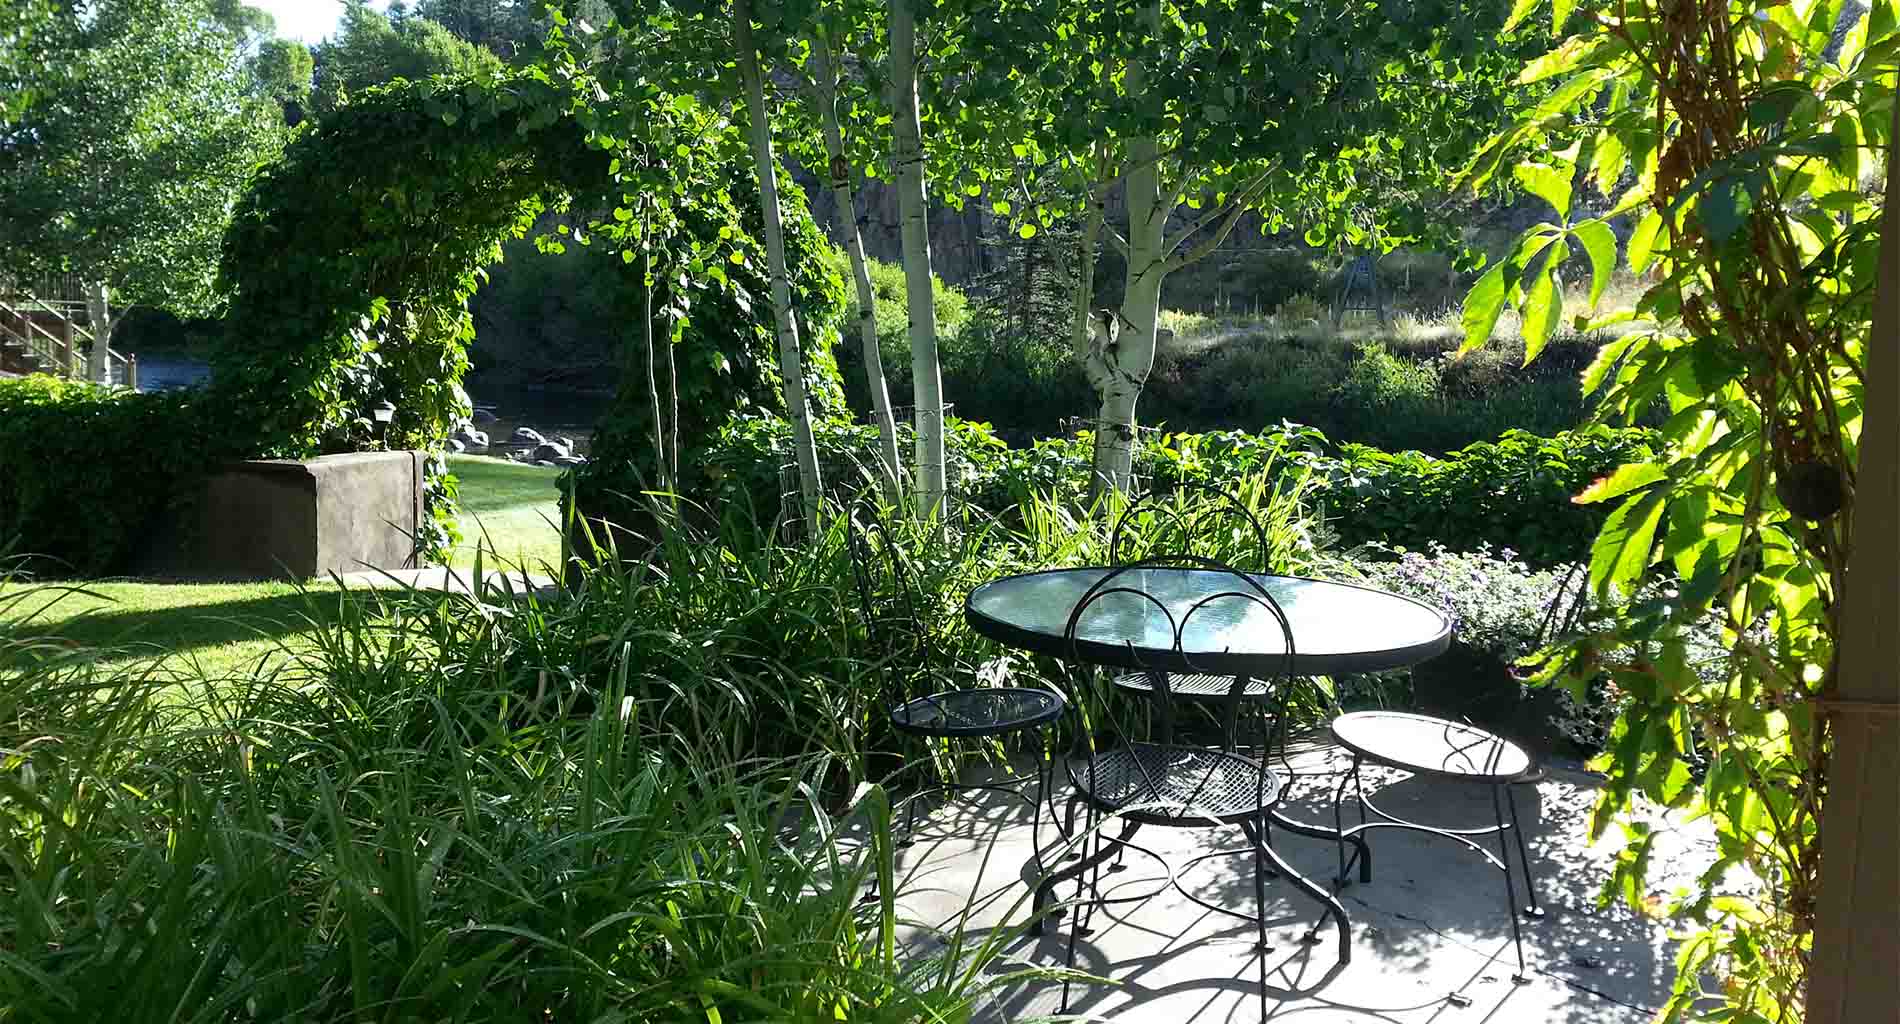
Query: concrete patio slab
point(1431, 938)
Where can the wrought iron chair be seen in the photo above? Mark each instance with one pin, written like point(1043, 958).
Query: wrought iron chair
point(1172, 784)
point(1442, 749)
point(1160, 522)
point(920, 700)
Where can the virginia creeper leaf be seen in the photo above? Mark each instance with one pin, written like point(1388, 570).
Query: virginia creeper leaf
point(1625, 479)
point(1483, 305)
point(1550, 183)
point(1642, 245)
point(1543, 307)
point(1599, 243)
point(1621, 551)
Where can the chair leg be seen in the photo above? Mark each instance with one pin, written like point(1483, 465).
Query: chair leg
point(1361, 851)
point(1535, 910)
point(1260, 920)
point(1078, 921)
point(1259, 833)
point(1522, 977)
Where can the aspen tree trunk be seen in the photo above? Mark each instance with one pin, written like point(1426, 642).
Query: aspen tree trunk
point(908, 156)
point(1118, 366)
point(1084, 297)
point(790, 361)
point(99, 319)
point(826, 77)
point(652, 359)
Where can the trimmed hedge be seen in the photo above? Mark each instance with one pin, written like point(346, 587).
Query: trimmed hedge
point(85, 469)
point(1513, 493)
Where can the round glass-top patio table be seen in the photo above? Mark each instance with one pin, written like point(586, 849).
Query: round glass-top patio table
point(1337, 628)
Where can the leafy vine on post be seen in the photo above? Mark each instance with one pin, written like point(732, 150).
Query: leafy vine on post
point(1748, 128)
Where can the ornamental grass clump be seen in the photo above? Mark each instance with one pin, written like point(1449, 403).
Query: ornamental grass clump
point(410, 837)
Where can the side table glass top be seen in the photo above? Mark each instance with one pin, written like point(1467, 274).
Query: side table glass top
point(1337, 628)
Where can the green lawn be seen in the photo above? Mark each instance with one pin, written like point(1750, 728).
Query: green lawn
point(209, 629)
point(222, 629)
point(510, 510)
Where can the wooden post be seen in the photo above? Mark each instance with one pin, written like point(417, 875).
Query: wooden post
point(1855, 965)
point(132, 372)
point(70, 355)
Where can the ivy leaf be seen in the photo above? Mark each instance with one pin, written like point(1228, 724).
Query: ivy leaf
point(1625, 479)
point(1599, 243)
point(1483, 305)
point(1642, 246)
point(1543, 307)
point(1551, 183)
point(1621, 551)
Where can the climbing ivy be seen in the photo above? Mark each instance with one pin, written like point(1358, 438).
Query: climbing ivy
point(351, 262)
point(1737, 138)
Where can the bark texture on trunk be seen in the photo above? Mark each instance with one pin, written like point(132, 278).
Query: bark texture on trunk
point(99, 322)
point(908, 158)
point(1857, 926)
point(790, 359)
point(652, 367)
point(1120, 365)
point(825, 74)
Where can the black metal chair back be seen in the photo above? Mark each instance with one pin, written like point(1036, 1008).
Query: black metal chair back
point(1191, 519)
point(1231, 599)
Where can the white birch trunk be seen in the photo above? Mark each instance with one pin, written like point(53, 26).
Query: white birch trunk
point(908, 158)
point(99, 322)
point(791, 362)
point(1084, 298)
point(1119, 366)
point(826, 78)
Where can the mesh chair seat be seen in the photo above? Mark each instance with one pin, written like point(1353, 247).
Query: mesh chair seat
point(1194, 686)
point(988, 711)
point(1432, 746)
point(1173, 784)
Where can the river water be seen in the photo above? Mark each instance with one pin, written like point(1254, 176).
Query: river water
point(512, 403)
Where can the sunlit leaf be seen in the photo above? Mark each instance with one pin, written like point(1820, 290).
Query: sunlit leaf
point(1599, 243)
point(1483, 305)
point(1543, 308)
point(1622, 548)
point(1625, 479)
point(1550, 183)
point(1643, 241)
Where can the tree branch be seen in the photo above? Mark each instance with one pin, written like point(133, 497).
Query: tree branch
point(1188, 174)
point(1231, 212)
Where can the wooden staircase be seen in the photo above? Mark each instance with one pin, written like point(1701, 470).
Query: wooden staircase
point(42, 335)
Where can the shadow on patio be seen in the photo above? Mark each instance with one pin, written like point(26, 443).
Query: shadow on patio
point(1431, 934)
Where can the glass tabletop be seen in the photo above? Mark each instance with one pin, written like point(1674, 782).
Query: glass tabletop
point(1336, 627)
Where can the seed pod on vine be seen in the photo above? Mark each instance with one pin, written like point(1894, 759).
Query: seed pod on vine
point(1812, 490)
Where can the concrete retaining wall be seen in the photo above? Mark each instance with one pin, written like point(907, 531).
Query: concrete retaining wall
point(286, 519)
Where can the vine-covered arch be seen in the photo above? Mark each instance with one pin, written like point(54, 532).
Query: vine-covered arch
point(351, 261)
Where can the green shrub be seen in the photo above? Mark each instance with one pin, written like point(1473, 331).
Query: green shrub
point(1512, 493)
point(726, 354)
point(1502, 610)
point(86, 469)
point(893, 334)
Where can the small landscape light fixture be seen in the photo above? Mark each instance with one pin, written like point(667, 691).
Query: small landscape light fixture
point(383, 413)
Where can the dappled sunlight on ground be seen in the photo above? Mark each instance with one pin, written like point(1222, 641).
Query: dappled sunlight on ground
point(1429, 932)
